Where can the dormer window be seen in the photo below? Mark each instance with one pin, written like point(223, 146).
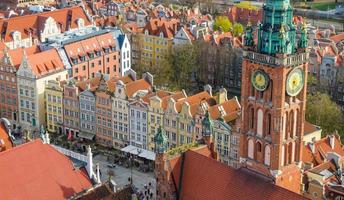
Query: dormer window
point(98, 53)
point(146, 32)
point(106, 50)
point(91, 55)
point(113, 48)
point(75, 61)
point(16, 35)
point(81, 23)
point(161, 35)
point(83, 58)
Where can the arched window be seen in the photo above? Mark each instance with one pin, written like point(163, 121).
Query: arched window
point(284, 125)
point(291, 124)
point(251, 118)
point(250, 148)
point(260, 122)
point(290, 153)
point(267, 155)
point(259, 147)
point(268, 124)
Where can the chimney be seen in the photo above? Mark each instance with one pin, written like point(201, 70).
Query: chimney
point(148, 77)
point(98, 174)
point(222, 95)
point(331, 138)
point(89, 166)
point(209, 89)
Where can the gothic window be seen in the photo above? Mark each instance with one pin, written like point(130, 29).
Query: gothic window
point(259, 147)
point(251, 118)
point(282, 155)
point(285, 126)
point(290, 153)
point(291, 124)
point(268, 124)
point(267, 155)
point(250, 148)
point(260, 122)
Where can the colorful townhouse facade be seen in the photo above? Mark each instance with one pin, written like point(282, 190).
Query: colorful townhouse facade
point(125, 93)
point(104, 117)
point(71, 109)
point(54, 106)
point(33, 74)
point(87, 105)
point(155, 41)
point(138, 123)
point(8, 86)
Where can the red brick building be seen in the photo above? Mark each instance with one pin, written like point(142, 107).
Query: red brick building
point(98, 54)
point(273, 100)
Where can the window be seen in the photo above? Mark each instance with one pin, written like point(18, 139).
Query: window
point(99, 62)
point(250, 148)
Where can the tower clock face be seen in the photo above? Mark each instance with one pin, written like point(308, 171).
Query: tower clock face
point(260, 80)
point(295, 82)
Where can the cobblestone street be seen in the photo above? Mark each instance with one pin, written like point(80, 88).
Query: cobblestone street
point(122, 174)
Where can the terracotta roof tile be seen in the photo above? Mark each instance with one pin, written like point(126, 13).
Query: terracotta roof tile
point(205, 178)
point(45, 62)
point(16, 55)
point(37, 171)
point(132, 87)
point(33, 23)
point(321, 148)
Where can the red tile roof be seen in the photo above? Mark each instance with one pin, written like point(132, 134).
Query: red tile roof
point(321, 148)
point(205, 178)
point(167, 27)
point(16, 55)
point(45, 62)
point(337, 38)
point(37, 171)
point(65, 18)
point(5, 141)
point(132, 87)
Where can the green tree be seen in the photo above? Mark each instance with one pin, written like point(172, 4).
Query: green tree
point(322, 111)
point(238, 29)
point(184, 62)
point(223, 22)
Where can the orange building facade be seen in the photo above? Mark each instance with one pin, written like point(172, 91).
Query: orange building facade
point(94, 55)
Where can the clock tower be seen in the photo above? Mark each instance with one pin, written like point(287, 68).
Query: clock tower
point(273, 96)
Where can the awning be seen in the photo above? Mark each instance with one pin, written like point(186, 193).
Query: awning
point(86, 135)
point(143, 153)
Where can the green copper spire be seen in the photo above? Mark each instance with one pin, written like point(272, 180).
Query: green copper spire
point(160, 140)
point(248, 37)
point(303, 42)
point(207, 125)
point(277, 33)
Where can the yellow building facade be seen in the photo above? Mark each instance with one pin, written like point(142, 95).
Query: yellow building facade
point(54, 106)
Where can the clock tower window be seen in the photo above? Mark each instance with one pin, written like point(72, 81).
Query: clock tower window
point(251, 118)
point(260, 117)
point(250, 148)
point(267, 153)
point(267, 129)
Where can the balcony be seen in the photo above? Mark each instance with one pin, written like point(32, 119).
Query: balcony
point(291, 60)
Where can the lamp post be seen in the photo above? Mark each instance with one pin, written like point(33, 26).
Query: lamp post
point(131, 169)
